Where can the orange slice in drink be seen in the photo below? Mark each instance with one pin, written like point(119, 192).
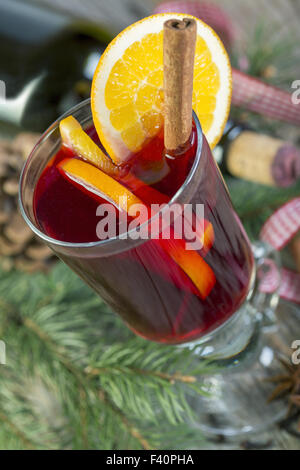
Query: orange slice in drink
point(95, 180)
point(74, 137)
point(127, 90)
point(81, 143)
point(98, 182)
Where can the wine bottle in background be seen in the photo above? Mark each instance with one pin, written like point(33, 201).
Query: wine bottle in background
point(47, 61)
point(257, 157)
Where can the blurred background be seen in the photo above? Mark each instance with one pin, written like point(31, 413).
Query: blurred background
point(49, 48)
point(48, 320)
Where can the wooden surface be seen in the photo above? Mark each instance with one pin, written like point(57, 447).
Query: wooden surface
point(245, 14)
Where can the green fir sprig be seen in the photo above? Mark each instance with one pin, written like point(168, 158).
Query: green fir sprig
point(77, 378)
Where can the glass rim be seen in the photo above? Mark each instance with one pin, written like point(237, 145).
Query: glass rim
point(125, 235)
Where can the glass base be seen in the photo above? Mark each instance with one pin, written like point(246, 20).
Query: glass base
point(245, 353)
point(238, 398)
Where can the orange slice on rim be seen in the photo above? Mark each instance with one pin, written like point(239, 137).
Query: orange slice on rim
point(127, 89)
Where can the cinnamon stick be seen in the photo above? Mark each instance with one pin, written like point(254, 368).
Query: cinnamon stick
point(179, 55)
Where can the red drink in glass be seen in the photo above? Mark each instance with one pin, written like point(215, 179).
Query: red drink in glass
point(140, 281)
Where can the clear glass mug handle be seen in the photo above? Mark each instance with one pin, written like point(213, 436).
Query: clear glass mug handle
point(265, 295)
point(236, 343)
point(243, 356)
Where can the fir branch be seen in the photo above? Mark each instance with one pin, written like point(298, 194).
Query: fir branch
point(102, 395)
point(83, 417)
point(135, 433)
point(254, 202)
point(172, 378)
point(271, 56)
point(16, 431)
point(56, 346)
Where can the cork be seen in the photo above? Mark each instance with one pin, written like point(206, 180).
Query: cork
point(286, 165)
point(263, 159)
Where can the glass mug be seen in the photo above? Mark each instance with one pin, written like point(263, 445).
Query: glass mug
point(141, 282)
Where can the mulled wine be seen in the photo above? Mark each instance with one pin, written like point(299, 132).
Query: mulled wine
point(155, 297)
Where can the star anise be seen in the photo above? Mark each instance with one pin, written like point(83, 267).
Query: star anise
point(287, 385)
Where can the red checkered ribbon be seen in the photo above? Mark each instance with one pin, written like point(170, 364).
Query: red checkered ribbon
point(248, 92)
point(290, 285)
point(283, 225)
point(278, 230)
point(269, 277)
point(254, 95)
point(287, 282)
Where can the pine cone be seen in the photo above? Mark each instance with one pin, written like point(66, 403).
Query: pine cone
point(19, 247)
